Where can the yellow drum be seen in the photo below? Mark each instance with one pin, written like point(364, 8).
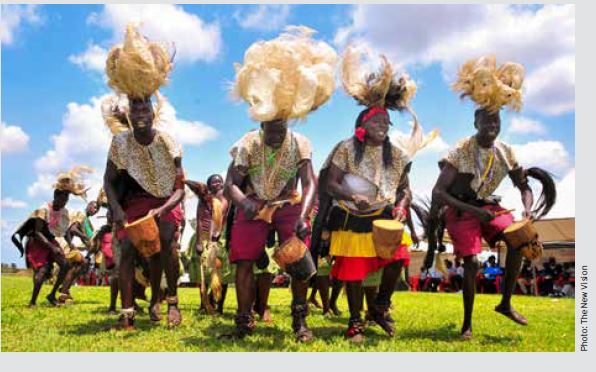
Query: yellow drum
point(522, 235)
point(294, 258)
point(75, 257)
point(144, 235)
point(387, 236)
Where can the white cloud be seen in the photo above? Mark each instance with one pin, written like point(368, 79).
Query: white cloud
point(12, 139)
point(92, 59)
point(183, 131)
point(193, 38)
point(565, 205)
point(523, 125)
point(84, 140)
point(551, 88)
point(550, 155)
point(543, 40)
point(12, 203)
point(264, 17)
point(13, 17)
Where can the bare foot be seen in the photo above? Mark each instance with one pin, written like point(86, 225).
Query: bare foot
point(510, 313)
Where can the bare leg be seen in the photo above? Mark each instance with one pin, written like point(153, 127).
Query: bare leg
point(512, 269)
point(39, 276)
point(58, 256)
point(322, 284)
point(263, 284)
point(169, 262)
point(336, 287)
point(469, 291)
point(113, 291)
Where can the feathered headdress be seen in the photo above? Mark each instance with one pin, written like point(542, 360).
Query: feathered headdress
point(138, 67)
point(287, 77)
point(385, 90)
point(490, 87)
point(102, 198)
point(72, 181)
point(381, 89)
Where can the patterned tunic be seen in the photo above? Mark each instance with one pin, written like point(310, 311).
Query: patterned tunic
point(371, 168)
point(468, 157)
point(58, 221)
point(151, 166)
point(270, 169)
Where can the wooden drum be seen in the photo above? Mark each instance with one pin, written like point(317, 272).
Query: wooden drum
point(294, 258)
point(144, 235)
point(387, 236)
point(522, 235)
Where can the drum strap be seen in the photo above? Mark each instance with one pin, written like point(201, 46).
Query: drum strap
point(343, 206)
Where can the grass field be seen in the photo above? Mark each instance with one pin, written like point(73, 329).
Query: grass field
point(425, 322)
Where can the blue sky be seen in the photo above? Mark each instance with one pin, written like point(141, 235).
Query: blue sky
point(52, 57)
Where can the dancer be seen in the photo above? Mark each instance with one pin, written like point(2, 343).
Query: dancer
point(282, 79)
point(43, 227)
point(145, 165)
point(473, 170)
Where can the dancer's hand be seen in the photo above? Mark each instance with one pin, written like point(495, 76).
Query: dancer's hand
point(301, 228)
point(484, 215)
point(529, 215)
point(361, 202)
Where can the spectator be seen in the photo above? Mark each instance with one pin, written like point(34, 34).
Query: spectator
point(548, 277)
point(436, 277)
point(452, 271)
point(423, 276)
point(459, 274)
point(525, 280)
point(489, 275)
point(569, 279)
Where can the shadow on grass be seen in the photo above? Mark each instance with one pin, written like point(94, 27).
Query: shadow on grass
point(494, 340)
point(447, 332)
point(103, 326)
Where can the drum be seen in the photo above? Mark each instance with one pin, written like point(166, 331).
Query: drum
point(522, 235)
point(144, 235)
point(387, 236)
point(294, 258)
point(74, 257)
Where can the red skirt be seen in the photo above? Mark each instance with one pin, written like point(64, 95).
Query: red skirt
point(357, 268)
point(106, 250)
point(38, 254)
point(137, 206)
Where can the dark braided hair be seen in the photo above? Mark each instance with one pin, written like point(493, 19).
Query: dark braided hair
point(359, 146)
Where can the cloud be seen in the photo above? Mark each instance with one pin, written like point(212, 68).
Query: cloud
point(264, 17)
point(542, 39)
point(12, 203)
point(550, 155)
point(15, 16)
point(84, 140)
point(186, 132)
point(523, 125)
point(551, 88)
point(12, 139)
point(193, 38)
point(92, 59)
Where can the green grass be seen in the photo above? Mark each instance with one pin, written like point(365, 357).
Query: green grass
point(425, 322)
